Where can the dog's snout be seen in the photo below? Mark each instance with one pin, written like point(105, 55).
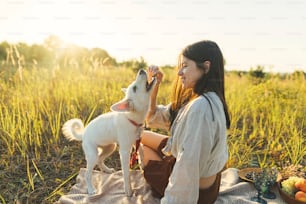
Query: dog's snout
point(142, 71)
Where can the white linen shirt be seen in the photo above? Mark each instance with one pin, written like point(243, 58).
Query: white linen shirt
point(198, 142)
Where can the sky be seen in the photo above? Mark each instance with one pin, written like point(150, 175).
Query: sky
point(268, 33)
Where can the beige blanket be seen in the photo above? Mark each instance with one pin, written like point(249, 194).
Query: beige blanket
point(110, 190)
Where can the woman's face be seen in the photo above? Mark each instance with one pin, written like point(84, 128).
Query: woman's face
point(189, 73)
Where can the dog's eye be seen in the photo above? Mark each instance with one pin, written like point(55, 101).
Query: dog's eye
point(134, 89)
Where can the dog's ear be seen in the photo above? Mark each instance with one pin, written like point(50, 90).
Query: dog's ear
point(125, 105)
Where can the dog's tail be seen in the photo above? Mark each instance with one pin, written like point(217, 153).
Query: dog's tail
point(73, 129)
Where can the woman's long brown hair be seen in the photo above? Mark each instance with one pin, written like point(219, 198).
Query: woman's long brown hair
point(212, 81)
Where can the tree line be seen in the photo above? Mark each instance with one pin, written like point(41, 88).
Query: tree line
point(52, 53)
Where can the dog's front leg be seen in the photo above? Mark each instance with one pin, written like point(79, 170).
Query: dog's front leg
point(124, 158)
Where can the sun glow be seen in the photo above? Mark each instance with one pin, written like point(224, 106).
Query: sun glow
point(158, 30)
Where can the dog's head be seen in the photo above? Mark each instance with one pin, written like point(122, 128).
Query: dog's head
point(137, 95)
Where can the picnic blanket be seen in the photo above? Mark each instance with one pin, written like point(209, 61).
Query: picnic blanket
point(110, 190)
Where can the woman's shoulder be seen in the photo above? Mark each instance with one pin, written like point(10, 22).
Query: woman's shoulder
point(203, 99)
point(198, 103)
point(207, 99)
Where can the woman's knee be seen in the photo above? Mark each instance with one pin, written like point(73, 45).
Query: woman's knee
point(152, 139)
point(148, 154)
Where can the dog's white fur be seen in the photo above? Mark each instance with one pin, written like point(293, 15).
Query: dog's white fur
point(112, 128)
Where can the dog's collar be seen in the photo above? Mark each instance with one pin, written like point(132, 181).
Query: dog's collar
point(135, 123)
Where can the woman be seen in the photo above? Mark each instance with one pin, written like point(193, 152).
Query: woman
point(197, 117)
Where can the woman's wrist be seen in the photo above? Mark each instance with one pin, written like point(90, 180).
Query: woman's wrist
point(150, 113)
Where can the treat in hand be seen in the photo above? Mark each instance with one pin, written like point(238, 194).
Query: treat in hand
point(154, 71)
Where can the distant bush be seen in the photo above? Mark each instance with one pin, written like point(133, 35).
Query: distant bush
point(258, 72)
point(135, 64)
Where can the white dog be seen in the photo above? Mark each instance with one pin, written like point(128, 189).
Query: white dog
point(122, 126)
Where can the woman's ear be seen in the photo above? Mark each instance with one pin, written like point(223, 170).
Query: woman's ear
point(206, 66)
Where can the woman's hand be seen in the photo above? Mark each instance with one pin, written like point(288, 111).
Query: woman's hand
point(153, 71)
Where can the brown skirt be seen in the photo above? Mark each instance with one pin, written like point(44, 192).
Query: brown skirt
point(209, 195)
point(157, 175)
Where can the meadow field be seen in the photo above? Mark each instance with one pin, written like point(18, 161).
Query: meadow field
point(38, 164)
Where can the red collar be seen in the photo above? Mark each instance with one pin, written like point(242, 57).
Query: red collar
point(134, 123)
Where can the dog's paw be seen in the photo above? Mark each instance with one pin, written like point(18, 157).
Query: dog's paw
point(109, 170)
point(129, 193)
point(106, 169)
point(128, 190)
point(92, 192)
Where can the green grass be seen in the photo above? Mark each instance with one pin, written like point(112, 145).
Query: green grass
point(39, 165)
point(268, 119)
